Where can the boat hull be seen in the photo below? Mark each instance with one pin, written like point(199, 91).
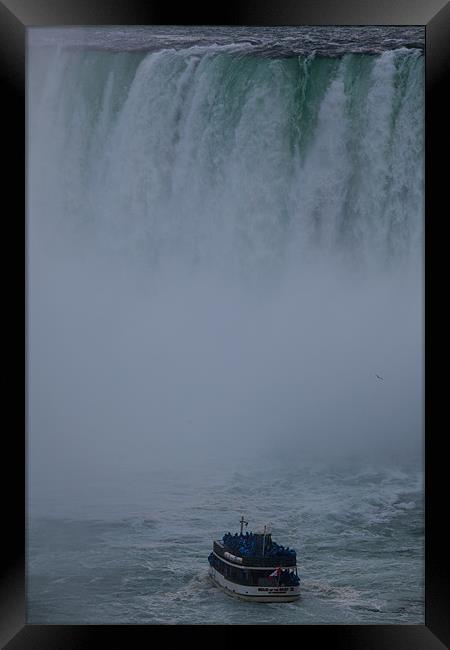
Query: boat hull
point(255, 594)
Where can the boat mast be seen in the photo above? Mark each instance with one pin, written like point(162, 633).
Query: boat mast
point(242, 522)
point(264, 539)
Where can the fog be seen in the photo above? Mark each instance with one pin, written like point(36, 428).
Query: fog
point(125, 376)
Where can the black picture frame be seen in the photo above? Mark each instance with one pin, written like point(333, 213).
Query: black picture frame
point(15, 17)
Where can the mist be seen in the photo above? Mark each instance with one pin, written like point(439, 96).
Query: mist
point(127, 377)
point(196, 300)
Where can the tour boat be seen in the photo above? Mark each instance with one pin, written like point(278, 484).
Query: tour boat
point(253, 567)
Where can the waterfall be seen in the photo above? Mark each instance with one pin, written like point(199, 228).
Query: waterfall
point(220, 158)
point(224, 245)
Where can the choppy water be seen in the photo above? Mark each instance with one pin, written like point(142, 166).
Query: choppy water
point(142, 558)
point(272, 41)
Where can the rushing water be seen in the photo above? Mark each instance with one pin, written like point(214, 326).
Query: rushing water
point(142, 558)
point(225, 234)
point(217, 154)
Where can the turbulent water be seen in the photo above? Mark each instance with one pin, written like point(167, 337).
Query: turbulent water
point(225, 235)
point(358, 532)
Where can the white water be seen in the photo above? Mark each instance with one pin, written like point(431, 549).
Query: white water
point(222, 159)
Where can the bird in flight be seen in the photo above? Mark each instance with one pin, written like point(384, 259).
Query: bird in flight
point(378, 377)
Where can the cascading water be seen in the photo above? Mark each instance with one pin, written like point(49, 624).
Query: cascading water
point(228, 159)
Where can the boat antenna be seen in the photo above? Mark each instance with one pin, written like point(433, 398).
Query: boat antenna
point(242, 522)
point(264, 540)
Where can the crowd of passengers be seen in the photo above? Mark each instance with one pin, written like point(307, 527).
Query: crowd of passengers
point(250, 545)
point(288, 578)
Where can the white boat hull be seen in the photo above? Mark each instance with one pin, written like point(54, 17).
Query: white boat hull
point(256, 594)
